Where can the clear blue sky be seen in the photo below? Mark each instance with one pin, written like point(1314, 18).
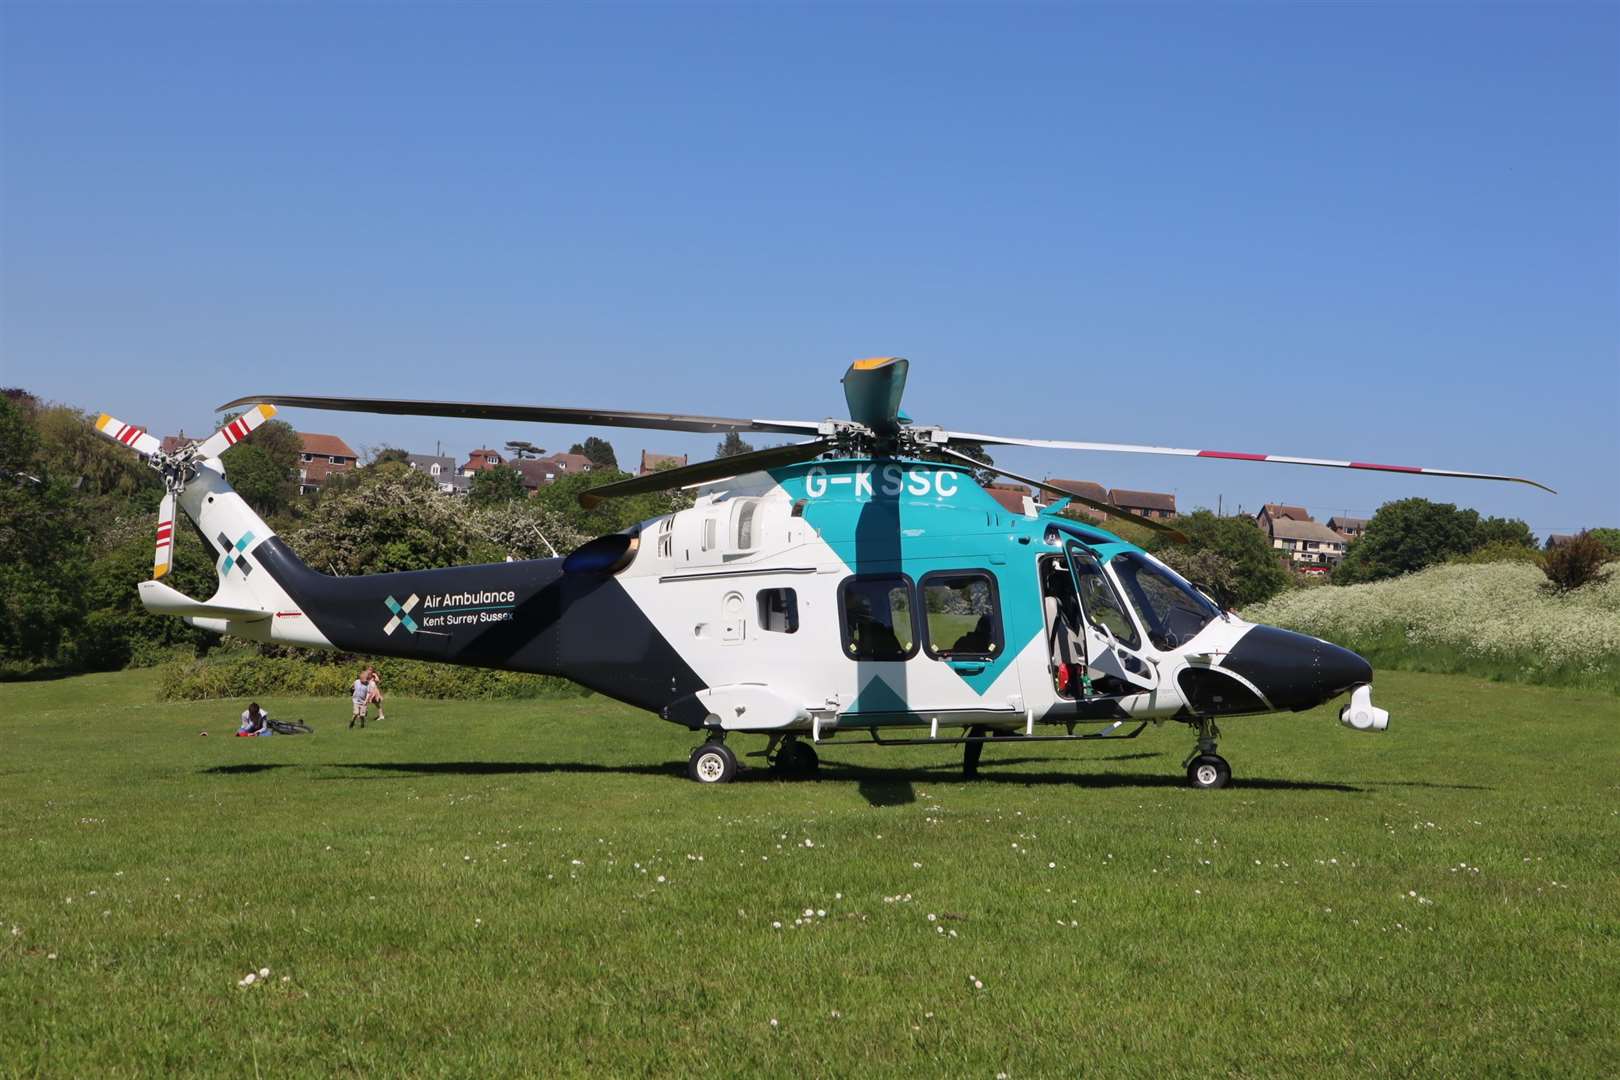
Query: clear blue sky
point(1381, 232)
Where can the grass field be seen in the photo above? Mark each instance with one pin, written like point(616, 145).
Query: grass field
point(535, 888)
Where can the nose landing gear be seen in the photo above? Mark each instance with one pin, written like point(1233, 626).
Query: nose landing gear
point(712, 763)
point(1205, 768)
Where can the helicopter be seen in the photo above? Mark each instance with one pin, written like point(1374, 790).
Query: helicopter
point(859, 582)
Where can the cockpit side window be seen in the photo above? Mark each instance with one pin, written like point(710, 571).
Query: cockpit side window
point(1172, 610)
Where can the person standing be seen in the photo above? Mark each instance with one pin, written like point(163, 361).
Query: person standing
point(361, 696)
point(374, 685)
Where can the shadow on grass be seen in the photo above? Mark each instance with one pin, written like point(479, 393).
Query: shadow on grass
point(879, 786)
point(241, 770)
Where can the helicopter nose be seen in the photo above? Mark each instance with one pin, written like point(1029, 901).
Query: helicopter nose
point(1295, 671)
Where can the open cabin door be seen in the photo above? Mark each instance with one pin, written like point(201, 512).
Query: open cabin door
point(1112, 640)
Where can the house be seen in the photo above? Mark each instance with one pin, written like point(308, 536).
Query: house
point(1271, 512)
point(322, 456)
point(1348, 527)
point(1085, 489)
point(440, 469)
point(569, 464)
point(1555, 540)
point(1152, 504)
point(173, 444)
point(1307, 543)
point(651, 463)
point(538, 472)
point(481, 459)
point(1014, 498)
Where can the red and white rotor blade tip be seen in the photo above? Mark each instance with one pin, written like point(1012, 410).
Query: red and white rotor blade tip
point(131, 436)
point(163, 556)
point(235, 431)
point(1230, 455)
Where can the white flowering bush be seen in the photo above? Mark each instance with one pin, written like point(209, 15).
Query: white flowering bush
point(1496, 618)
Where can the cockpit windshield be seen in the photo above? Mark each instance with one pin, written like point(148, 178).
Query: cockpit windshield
point(1172, 610)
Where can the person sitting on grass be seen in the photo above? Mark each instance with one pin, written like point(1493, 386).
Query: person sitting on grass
point(255, 721)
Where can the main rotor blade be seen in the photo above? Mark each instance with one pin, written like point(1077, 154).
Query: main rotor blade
point(235, 431)
point(705, 471)
point(873, 388)
point(540, 414)
point(128, 434)
point(1228, 455)
point(1096, 504)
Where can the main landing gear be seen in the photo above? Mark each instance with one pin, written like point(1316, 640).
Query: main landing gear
point(1205, 768)
point(795, 757)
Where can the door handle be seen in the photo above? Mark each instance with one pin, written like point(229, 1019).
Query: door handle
point(964, 667)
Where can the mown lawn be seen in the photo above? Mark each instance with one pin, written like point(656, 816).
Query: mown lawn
point(535, 888)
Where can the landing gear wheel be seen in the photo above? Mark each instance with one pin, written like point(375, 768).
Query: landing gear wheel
point(712, 763)
point(971, 752)
point(796, 758)
point(1209, 771)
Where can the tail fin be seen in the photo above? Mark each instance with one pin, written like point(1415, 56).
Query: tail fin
point(248, 601)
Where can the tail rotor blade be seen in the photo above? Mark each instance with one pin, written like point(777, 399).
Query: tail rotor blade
point(706, 471)
point(131, 436)
point(235, 431)
point(163, 555)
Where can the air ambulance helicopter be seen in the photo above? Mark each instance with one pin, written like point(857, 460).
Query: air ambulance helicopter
point(857, 583)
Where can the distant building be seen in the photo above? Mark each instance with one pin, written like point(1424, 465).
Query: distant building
point(440, 469)
point(1348, 527)
point(538, 472)
point(482, 459)
point(1085, 489)
point(1307, 543)
point(1014, 498)
point(651, 462)
point(1558, 540)
point(1271, 512)
point(322, 456)
point(173, 444)
point(1152, 504)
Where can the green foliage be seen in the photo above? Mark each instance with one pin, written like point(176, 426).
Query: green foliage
point(384, 455)
point(1246, 569)
point(498, 485)
point(523, 450)
point(732, 445)
point(1609, 538)
point(1575, 563)
point(599, 450)
point(245, 674)
point(1504, 531)
point(45, 535)
point(19, 442)
point(71, 449)
point(267, 486)
point(613, 515)
point(1407, 535)
point(1498, 551)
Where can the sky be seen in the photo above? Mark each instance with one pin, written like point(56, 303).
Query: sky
point(1379, 232)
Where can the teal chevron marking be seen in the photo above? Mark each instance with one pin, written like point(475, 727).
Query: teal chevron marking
point(878, 696)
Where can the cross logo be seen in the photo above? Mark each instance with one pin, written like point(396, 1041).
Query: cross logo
point(402, 614)
point(233, 554)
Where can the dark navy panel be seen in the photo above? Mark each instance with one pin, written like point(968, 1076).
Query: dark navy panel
point(519, 616)
point(1212, 693)
point(1295, 671)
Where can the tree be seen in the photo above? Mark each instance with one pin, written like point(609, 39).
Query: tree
point(977, 452)
point(1407, 535)
point(612, 515)
point(498, 485)
point(1495, 530)
point(1228, 554)
point(523, 450)
point(732, 445)
point(599, 450)
point(1609, 538)
point(1575, 562)
point(45, 536)
point(382, 455)
point(265, 485)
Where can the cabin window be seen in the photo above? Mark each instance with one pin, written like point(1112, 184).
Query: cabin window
point(961, 613)
point(779, 610)
point(877, 617)
point(1098, 599)
point(708, 534)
